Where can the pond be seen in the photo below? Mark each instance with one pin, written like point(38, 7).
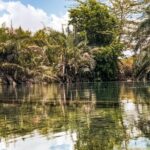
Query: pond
point(81, 116)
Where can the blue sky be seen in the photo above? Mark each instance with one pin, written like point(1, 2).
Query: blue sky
point(57, 7)
point(50, 6)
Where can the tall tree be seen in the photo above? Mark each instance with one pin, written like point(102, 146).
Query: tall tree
point(94, 24)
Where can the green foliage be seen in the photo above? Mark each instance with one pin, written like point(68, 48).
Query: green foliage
point(142, 65)
point(107, 62)
point(95, 26)
point(60, 53)
point(92, 21)
point(3, 35)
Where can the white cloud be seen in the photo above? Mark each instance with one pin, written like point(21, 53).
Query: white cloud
point(57, 22)
point(29, 17)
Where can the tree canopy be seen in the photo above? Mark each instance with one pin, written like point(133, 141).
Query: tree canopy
point(94, 23)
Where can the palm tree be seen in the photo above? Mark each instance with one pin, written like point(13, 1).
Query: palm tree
point(20, 56)
point(142, 49)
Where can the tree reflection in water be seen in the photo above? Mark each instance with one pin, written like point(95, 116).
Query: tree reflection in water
point(94, 116)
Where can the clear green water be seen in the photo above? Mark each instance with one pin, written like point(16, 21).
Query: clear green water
point(89, 116)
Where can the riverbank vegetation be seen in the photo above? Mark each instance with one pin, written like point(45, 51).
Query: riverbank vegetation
point(92, 51)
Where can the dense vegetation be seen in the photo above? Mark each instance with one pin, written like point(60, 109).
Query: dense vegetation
point(93, 50)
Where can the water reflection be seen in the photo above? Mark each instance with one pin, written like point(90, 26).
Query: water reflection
point(87, 116)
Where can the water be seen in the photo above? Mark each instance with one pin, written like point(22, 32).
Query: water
point(89, 116)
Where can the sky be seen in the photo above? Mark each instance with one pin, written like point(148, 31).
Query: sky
point(49, 6)
point(35, 14)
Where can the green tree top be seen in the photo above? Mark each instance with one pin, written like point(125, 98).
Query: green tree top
point(93, 22)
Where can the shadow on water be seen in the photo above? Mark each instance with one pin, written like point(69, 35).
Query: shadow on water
point(81, 116)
